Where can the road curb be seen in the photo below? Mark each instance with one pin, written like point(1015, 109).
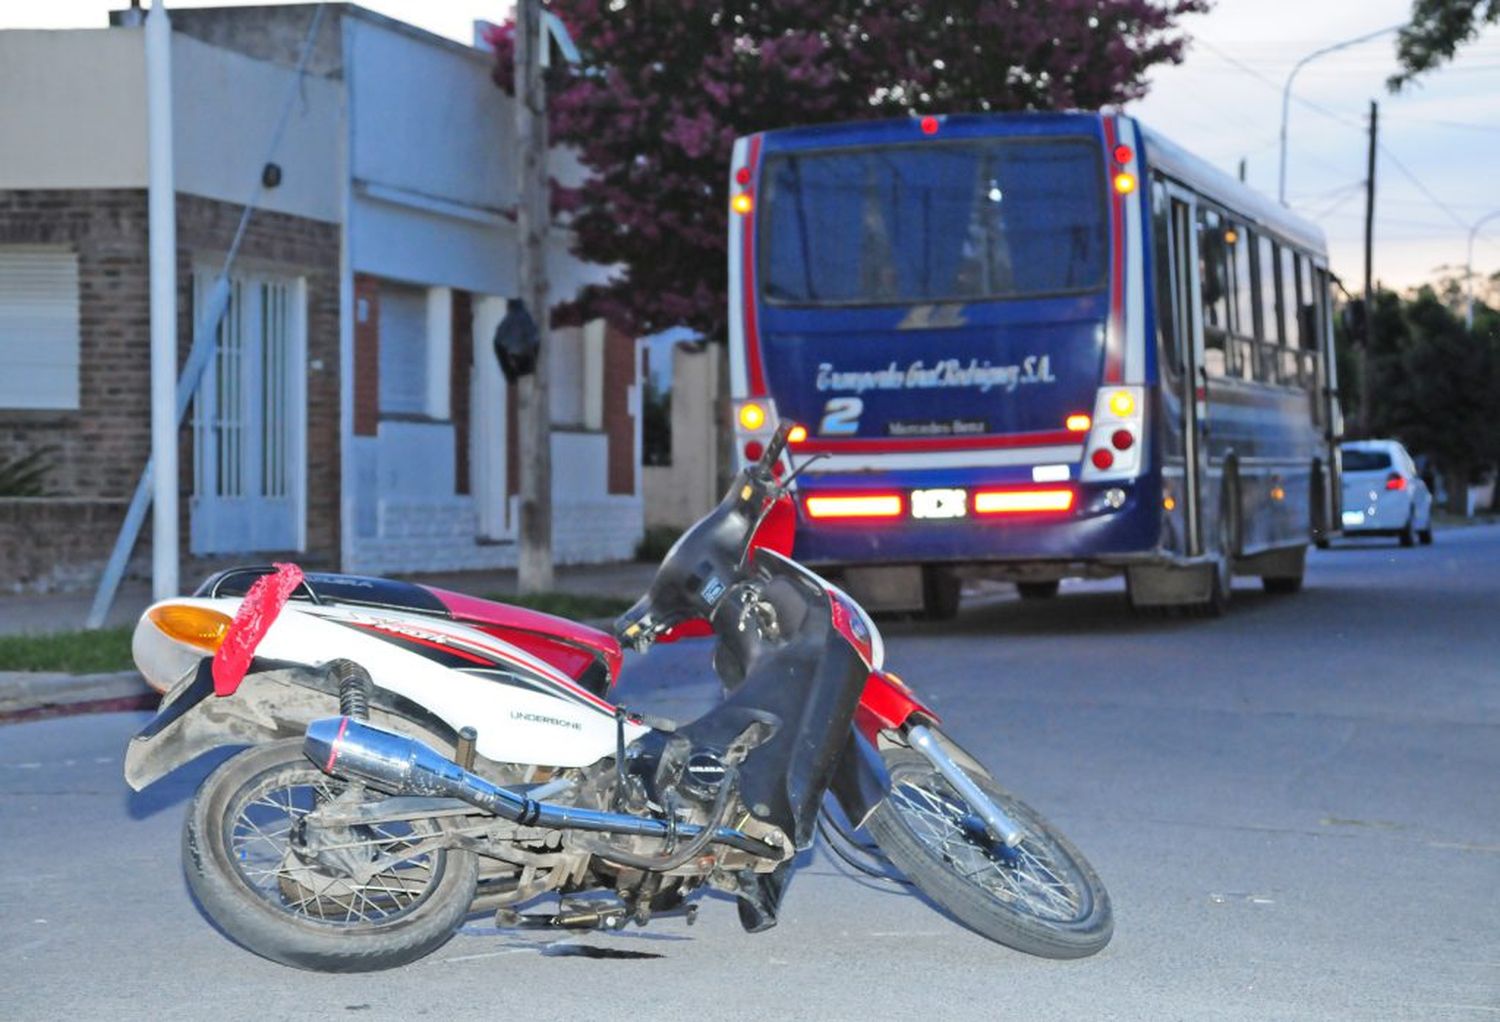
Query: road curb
point(47, 693)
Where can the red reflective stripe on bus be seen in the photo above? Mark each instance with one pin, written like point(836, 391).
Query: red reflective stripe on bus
point(885, 445)
point(1114, 341)
point(747, 294)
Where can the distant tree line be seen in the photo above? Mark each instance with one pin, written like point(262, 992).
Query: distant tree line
point(1434, 383)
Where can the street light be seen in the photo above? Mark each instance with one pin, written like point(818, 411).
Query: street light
point(1469, 266)
point(1286, 94)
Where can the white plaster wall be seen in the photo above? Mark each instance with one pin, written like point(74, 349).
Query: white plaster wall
point(224, 110)
point(428, 119)
point(73, 109)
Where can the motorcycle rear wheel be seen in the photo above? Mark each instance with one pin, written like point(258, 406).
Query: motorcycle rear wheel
point(1048, 902)
point(248, 860)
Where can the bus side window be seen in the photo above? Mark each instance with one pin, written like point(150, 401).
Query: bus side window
point(1164, 281)
point(1213, 271)
point(1291, 295)
point(1242, 350)
point(1268, 305)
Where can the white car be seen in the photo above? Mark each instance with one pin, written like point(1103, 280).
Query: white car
point(1383, 494)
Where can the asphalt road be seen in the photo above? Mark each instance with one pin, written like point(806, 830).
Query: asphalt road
point(1296, 810)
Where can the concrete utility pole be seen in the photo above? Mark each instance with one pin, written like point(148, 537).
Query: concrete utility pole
point(1364, 361)
point(1469, 268)
point(161, 197)
point(532, 220)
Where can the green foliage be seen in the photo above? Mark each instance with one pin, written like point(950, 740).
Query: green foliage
point(1435, 32)
point(656, 542)
point(81, 652)
point(25, 476)
point(574, 606)
point(1435, 384)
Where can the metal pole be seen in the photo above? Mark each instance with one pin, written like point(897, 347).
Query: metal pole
point(532, 217)
point(162, 221)
point(1364, 362)
point(1286, 94)
point(1469, 267)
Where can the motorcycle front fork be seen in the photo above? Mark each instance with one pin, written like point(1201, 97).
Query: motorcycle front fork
point(996, 822)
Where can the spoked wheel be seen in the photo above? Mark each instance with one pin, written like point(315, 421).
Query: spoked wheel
point(336, 898)
point(1042, 897)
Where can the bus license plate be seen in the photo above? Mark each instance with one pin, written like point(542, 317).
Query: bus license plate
point(949, 503)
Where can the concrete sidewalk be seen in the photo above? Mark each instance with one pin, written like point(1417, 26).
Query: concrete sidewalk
point(29, 693)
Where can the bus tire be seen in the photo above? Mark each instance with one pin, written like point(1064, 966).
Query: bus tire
point(1221, 578)
point(942, 592)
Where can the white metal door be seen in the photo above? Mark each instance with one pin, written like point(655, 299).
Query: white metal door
point(248, 422)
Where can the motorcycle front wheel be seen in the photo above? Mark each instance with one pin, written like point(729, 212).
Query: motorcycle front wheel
point(350, 899)
point(1041, 897)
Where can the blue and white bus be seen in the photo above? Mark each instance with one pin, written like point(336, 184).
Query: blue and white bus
point(1029, 347)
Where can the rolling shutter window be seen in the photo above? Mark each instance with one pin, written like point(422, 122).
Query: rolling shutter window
point(403, 350)
point(38, 327)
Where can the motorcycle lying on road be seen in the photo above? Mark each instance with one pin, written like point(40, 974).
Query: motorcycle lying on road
point(416, 756)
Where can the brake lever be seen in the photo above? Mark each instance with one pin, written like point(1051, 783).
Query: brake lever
point(797, 470)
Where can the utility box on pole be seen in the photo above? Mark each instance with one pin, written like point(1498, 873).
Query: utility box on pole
point(532, 221)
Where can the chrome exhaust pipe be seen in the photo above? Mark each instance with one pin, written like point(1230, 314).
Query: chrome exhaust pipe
point(401, 765)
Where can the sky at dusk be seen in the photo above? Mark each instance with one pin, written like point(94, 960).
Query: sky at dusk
point(1440, 139)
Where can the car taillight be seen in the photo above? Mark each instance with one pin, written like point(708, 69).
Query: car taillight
point(1395, 481)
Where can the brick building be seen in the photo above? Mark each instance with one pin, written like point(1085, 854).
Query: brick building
point(354, 417)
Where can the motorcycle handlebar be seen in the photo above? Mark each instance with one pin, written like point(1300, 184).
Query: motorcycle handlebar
point(774, 447)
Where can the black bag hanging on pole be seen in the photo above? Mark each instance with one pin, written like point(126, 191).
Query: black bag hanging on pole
point(516, 341)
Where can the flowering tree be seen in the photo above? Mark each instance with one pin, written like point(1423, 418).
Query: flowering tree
point(667, 85)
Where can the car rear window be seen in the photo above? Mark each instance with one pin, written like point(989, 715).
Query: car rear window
point(1356, 460)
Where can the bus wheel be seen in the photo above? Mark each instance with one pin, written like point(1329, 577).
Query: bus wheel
point(942, 590)
point(1037, 590)
point(1221, 581)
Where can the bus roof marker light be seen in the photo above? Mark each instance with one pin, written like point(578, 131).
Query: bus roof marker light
point(929, 125)
point(752, 416)
point(742, 203)
point(1124, 183)
point(1078, 423)
point(1123, 154)
point(742, 176)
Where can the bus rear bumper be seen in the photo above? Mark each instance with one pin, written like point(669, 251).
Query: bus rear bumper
point(1095, 533)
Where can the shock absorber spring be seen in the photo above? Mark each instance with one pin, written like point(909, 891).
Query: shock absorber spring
point(354, 686)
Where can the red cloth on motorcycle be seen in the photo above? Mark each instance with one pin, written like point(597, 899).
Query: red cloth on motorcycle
point(258, 611)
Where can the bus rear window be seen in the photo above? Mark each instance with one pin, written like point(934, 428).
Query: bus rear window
point(1356, 460)
point(956, 221)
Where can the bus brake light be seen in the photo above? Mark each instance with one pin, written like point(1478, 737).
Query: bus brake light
point(877, 505)
point(1012, 502)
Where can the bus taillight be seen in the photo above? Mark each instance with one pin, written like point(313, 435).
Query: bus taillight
point(1020, 502)
point(868, 505)
point(1078, 423)
point(1114, 444)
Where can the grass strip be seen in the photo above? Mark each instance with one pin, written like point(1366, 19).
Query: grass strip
point(578, 606)
point(80, 652)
